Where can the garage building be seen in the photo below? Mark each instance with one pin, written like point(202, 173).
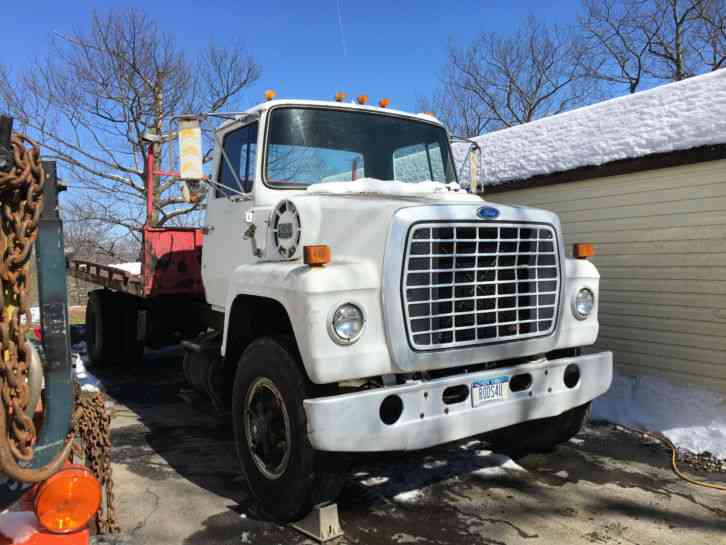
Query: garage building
point(643, 177)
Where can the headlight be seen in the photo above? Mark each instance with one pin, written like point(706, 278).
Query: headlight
point(583, 304)
point(347, 323)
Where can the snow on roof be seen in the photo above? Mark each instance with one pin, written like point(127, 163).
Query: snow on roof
point(677, 116)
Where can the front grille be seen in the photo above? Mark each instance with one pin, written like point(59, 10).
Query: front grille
point(466, 284)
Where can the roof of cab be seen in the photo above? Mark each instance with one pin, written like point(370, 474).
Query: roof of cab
point(263, 106)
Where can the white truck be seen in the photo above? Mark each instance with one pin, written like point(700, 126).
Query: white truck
point(345, 296)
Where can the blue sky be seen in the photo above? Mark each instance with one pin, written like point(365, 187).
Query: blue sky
point(392, 49)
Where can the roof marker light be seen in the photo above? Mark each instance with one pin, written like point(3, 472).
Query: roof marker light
point(362, 99)
point(270, 94)
point(340, 96)
point(384, 102)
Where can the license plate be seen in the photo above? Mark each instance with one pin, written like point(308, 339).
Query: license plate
point(490, 389)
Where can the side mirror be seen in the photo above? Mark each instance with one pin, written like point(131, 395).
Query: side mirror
point(190, 149)
point(190, 158)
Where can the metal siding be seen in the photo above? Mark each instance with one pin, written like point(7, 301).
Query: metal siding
point(660, 237)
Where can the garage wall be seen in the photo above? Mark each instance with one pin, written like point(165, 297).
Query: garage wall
point(660, 237)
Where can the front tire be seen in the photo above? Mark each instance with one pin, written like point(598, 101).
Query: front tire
point(285, 474)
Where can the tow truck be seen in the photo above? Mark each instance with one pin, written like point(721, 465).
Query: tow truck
point(345, 295)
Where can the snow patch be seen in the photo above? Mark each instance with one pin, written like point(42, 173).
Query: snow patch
point(495, 464)
point(677, 116)
point(381, 187)
point(690, 416)
point(435, 464)
point(79, 356)
point(18, 526)
point(411, 496)
point(131, 268)
point(374, 481)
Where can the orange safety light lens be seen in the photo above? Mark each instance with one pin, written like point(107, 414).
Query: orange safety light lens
point(340, 97)
point(384, 102)
point(362, 99)
point(583, 250)
point(270, 94)
point(316, 255)
point(67, 501)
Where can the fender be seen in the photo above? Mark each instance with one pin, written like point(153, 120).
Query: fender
point(310, 295)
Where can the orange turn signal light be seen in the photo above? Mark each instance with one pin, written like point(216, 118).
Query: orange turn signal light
point(384, 102)
point(316, 255)
point(362, 99)
point(339, 97)
point(583, 250)
point(270, 94)
point(67, 501)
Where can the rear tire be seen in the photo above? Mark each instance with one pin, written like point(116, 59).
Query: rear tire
point(540, 435)
point(103, 337)
point(131, 349)
point(285, 474)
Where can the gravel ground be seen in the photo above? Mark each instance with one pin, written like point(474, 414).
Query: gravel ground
point(177, 481)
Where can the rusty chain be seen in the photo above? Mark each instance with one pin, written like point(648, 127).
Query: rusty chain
point(21, 203)
point(92, 425)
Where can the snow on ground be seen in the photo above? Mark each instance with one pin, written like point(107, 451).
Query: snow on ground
point(133, 268)
point(410, 496)
point(678, 116)
point(79, 355)
point(495, 464)
point(19, 526)
point(690, 416)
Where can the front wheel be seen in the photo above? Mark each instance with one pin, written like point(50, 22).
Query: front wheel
point(285, 474)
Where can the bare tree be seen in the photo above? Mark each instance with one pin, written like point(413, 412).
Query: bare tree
point(710, 35)
point(87, 238)
point(642, 42)
point(464, 113)
point(618, 40)
point(504, 80)
point(95, 95)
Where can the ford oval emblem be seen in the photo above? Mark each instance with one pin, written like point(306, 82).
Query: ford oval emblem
point(487, 213)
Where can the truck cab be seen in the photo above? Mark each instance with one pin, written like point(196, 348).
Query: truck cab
point(371, 304)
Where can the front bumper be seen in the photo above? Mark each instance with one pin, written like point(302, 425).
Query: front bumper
point(352, 423)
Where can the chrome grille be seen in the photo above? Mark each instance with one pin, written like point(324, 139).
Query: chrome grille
point(468, 284)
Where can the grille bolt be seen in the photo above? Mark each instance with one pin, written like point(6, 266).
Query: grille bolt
point(549, 390)
point(446, 410)
point(426, 395)
point(421, 415)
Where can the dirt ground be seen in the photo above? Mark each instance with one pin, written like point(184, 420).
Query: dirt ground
point(177, 481)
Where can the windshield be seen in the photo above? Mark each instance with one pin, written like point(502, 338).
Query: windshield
point(311, 145)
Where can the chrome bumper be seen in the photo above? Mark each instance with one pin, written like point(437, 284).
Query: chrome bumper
point(352, 423)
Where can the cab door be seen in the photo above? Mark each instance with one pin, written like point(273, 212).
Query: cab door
point(230, 198)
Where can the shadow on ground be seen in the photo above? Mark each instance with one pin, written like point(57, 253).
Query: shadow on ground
point(457, 493)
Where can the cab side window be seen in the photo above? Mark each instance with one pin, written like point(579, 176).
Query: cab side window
point(237, 164)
